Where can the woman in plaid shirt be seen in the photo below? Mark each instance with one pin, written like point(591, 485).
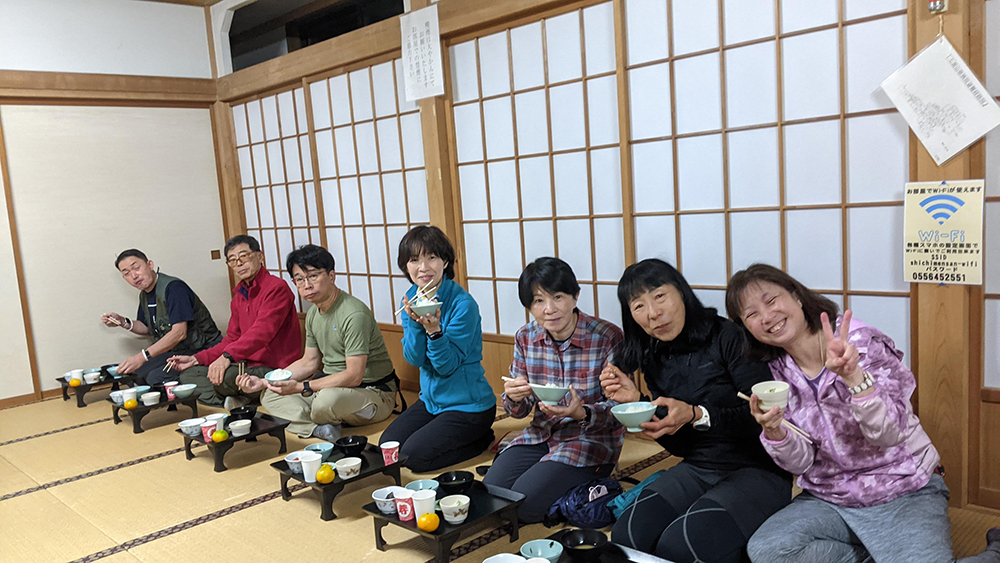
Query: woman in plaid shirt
point(577, 440)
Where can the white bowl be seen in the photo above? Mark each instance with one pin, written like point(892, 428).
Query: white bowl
point(549, 394)
point(384, 499)
point(151, 398)
point(239, 427)
point(191, 426)
point(117, 397)
point(455, 508)
point(505, 558)
point(349, 467)
point(425, 308)
point(771, 394)
point(293, 461)
point(278, 375)
point(91, 378)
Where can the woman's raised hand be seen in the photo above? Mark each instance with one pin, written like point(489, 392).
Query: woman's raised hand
point(770, 421)
point(617, 386)
point(841, 356)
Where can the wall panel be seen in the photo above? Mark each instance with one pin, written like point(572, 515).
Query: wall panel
point(89, 182)
point(15, 378)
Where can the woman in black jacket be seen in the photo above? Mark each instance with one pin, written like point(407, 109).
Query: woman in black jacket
point(706, 507)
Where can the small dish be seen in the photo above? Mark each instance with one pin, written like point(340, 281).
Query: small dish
point(549, 394)
point(349, 467)
point(632, 415)
point(191, 426)
point(278, 375)
point(239, 427)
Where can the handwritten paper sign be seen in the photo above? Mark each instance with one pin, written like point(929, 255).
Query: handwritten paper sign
point(942, 100)
point(943, 232)
point(423, 74)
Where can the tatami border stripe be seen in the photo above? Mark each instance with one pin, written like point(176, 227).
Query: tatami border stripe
point(50, 432)
point(94, 473)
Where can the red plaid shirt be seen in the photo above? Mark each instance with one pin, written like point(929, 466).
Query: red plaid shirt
point(577, 362)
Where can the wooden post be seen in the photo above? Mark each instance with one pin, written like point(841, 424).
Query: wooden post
point(943, 312)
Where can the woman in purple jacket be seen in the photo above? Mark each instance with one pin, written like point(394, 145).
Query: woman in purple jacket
point(872, 486)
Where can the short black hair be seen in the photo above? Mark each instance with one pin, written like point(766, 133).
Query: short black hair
point(426, 239)
point(813, 305)
point(129, 253)
point(241, 239)
point(700, 321)
point(309, 255)
point(549, 274)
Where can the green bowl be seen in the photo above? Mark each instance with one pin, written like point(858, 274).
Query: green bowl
point(184, 390)
point(426, 309)
point(546, 549)
point(324, 449)
point(633, 414)
point(548, 394)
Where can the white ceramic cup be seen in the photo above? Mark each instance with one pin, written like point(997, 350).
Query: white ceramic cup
point(423, 502)
point(128, 394)
point(771, 394)
point(91, 378)
point(151, 398)
point(348, 467)
point(455, 508)
point(240, 427)
point(310, 464)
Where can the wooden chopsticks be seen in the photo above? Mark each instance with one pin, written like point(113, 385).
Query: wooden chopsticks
point(784, 422)
point(420, 293)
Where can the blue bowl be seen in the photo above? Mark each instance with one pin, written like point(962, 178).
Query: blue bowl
point(184, 390)
point(422, 484)
point(546, 549)
point(324, 449)
point(631, 415)
point(140, 389)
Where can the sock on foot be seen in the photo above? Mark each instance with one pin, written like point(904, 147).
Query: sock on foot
point(328, 432)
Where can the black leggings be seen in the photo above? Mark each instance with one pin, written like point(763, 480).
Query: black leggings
point(432, 441)
point(692, 515)
point(543, 482)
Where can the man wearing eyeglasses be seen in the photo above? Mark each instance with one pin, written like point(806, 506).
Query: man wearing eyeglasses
point(169, 312)
point(345, 375)
point(263, 331)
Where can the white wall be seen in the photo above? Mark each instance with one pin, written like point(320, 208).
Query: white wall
point(15, 377)
point(89, 182)
point(104, 37)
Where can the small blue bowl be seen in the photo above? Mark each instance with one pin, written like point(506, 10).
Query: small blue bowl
point(113, 370)
point(546, 549)
point(422, 484)
point(324, 449)
point(140, 389)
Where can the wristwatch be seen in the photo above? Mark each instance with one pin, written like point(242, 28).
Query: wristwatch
point(229, 357)
point(588, 416)
point(436, 335)
point(703, 423)
point(306, 390)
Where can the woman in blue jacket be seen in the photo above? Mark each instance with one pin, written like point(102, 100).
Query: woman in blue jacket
point(452, 420)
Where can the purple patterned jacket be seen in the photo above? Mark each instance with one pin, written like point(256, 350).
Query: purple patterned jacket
point(866, 451)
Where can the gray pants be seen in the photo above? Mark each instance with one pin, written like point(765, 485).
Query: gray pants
point(911, 529)
point(355, 406)
point(215, 395)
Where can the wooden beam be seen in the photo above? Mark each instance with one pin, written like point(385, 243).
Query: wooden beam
point(62, 86)
point(943, 334)
point(22, 289)
point(205, 3)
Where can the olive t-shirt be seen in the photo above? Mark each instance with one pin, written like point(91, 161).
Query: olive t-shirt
point(348, 328)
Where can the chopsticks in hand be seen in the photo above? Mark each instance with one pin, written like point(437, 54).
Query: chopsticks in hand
point(420, 293)
point(784, 422)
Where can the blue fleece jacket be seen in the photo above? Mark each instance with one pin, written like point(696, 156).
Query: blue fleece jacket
point(451, 371)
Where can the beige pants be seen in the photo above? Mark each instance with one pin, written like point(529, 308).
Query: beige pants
point(333, 405)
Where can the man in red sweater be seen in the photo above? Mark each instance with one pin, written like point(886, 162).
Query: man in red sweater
point(263, 332)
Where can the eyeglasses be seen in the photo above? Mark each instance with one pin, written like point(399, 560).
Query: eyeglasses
point(311, 277)
point(239, 259)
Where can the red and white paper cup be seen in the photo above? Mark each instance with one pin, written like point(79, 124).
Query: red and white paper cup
point(390, 452)
point(208, 428)
point(169, 388)
point(404, 504)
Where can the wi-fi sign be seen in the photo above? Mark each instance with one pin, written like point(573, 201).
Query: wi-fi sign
point(941, 207)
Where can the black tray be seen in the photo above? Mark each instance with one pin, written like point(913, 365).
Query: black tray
point(142, 410)
point(262, 423)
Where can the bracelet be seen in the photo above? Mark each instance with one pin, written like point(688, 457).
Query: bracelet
point(693, 413)
point(145, 354)
point(864, 385)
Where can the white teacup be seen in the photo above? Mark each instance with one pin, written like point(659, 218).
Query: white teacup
point(150, 399)
point(771, 394)
point(310, 465)
point(219, 419)
point(455, 508)
point(91, 378)
point(349, 467)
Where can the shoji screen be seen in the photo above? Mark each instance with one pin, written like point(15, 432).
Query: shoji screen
point(759, 136)
point(991, 373)
point(371, 172)
point(272, 138)
point(537, 135)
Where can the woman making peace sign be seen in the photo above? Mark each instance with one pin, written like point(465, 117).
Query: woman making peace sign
point(872, 489)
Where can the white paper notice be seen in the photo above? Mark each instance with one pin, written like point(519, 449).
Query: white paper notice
point(943, 232)
point(942, 100)
point(423, 74)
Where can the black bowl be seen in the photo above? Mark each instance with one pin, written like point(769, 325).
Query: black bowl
point(242, 413)
point(455, 482)
point(584, 544)
point(352, 446)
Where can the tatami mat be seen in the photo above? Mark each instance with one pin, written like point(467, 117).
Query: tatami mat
point(101, 493)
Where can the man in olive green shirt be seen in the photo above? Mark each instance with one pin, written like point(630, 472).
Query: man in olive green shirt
point(345, 375)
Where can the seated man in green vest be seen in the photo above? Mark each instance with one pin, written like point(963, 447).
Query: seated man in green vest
point(169, 312)
point(345, 375)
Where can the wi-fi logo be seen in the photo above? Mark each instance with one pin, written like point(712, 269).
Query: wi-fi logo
point(941, 207)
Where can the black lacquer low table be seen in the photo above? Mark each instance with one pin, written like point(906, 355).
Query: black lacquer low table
point(262, 424)
point(371, 464)
point(85, 387)
point(485, 501)
point(142, 410)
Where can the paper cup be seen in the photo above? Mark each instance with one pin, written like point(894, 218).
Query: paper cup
point(404, 504)
point(208, 428)
point(128, 394)
point(390, 452)
point(169, 388)
point(219, 419)
point(771, 394)
point(310, 465)
point(423, 502)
